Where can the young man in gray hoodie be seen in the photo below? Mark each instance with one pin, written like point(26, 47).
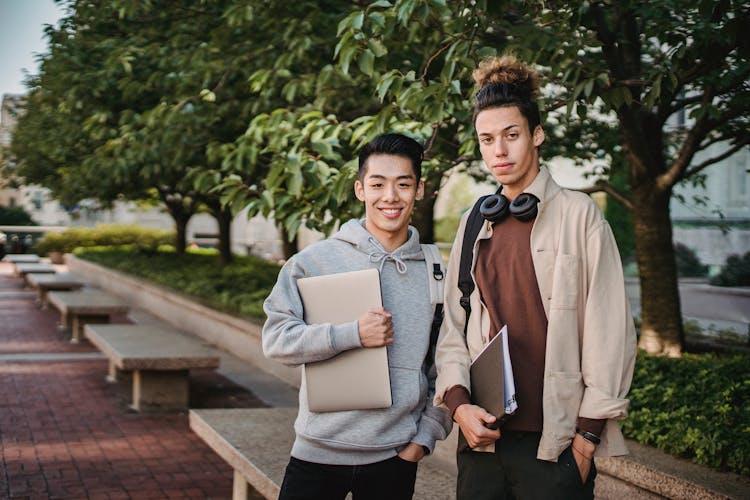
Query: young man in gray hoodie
point(371, 453)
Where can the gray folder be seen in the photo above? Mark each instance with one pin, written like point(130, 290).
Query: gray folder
point(356, 379)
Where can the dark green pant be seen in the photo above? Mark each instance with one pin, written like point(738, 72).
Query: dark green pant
point(514, 472)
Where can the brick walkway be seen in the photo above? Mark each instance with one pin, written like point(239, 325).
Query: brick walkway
point(65, 433)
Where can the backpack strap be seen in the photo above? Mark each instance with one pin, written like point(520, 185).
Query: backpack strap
point(465, 282)
point(436, 280)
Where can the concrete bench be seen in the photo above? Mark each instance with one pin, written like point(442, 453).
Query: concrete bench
point(160, 360)
point(24, 268)
point(83, 307)
point(256, 443)
point(18, 258)
point(44, 283)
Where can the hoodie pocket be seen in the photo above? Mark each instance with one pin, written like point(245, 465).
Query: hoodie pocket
point(372, 429)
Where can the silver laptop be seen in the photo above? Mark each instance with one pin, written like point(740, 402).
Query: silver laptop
point(357, 379)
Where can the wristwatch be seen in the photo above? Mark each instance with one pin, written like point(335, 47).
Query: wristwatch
point(589, 436)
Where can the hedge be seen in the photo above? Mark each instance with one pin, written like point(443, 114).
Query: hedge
point(697, 407)
point(103, 235)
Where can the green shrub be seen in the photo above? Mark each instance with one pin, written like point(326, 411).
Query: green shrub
point(15, 216)
point(697, 407)
point(688, 264)
point(238, 288)
point(103, 235)
point(735, 272)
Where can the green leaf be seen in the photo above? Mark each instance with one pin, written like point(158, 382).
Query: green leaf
point(377, 18)
point(294, 183)
point(589, 88)
point(366, 62)
point(380, 4)
point(384, 84)
point(377, 47)
point(322, 147)
point(292, 224)
point(358, 20)
point(268, 199)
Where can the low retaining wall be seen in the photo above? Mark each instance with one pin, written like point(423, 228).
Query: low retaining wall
point(241, 338)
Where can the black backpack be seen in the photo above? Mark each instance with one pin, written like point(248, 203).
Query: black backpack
point(435, 269)
point(465, 283)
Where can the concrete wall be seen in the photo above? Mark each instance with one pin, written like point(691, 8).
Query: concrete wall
point(241, 338)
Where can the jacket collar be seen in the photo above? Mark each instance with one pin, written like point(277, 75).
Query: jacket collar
point(543, 186)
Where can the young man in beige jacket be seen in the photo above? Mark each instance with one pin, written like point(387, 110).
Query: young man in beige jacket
point(545, 264)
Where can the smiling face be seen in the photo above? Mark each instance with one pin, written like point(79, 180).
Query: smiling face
point(389, 189)
point(508, 148)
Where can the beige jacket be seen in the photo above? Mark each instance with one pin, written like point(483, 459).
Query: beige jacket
point(590, 352)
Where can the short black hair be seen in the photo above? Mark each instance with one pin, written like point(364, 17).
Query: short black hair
point(393, 144)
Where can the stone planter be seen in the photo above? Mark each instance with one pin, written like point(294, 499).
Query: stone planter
point(56, 257)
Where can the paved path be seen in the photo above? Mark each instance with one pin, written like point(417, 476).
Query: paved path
point(67, 434)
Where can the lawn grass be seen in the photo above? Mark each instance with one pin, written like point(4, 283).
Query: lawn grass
point(238, 288)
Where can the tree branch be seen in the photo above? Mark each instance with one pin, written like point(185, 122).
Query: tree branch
point(694, 137)
point(727, 85)
point(601, 186)
point(426, 66)
point(435, 129)
point(716, 159)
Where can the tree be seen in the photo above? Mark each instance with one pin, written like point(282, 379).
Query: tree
point(314, 117)
point(123, 89)
point(676, 76)
point(294, 160)
point(62, 140)
point(632, 68)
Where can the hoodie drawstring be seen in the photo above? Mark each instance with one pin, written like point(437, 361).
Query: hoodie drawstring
point(379, 256)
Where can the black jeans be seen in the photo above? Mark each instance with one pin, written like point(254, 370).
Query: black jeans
point(391, 479)
point(514, 472)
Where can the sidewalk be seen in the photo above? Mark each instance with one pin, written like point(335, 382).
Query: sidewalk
point(66, 433)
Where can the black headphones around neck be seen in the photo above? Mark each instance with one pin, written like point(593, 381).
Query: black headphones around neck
point(496, 207)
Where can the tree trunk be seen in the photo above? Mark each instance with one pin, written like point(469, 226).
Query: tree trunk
point(423, 217)
point(181, 216)
point(224, 218)
point(661, 317)
point(289, 246)
point(180, 243)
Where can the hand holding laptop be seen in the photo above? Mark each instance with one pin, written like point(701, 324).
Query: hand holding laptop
point(375, 328)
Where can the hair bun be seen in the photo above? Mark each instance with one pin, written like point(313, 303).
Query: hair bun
point(508, 70)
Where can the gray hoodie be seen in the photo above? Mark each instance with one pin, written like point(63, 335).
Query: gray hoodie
point(360, 436)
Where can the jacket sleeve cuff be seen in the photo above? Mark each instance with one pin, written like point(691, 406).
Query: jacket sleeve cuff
point(592, 425)
point(455, 397)
point(598, 405)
